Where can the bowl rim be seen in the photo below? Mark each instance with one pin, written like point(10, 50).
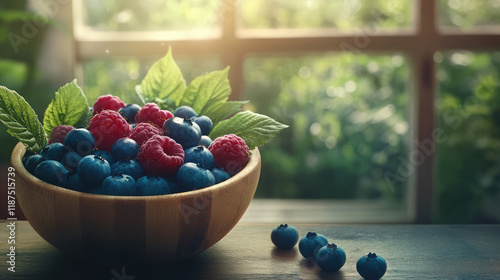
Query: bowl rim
point(20, 149)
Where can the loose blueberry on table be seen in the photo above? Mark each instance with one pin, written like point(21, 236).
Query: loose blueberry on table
point(310, 244)
point(285, 236)
point(371, 266)
point(331, 257)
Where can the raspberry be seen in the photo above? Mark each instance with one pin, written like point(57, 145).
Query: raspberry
point(142, 132)
point(230, 152)
point(161, 156)
point(59, 133)
point(107, 127)
point(151, 113)
point(107, 102)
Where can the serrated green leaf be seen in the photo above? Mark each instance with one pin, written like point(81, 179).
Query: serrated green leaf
point(205, 93)
point(164, 79)
point(21, 120)
point(255, 129)
point(225, 110)
point(69, 107)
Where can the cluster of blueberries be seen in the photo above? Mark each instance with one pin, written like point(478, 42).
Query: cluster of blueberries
point(77, 165)
point(329, 257)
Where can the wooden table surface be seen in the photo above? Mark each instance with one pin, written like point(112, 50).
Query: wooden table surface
point(411, 251)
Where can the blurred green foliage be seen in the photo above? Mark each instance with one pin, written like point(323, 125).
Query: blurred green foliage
point(348, 123)
point(18, 62)
point(343, 15)
point(151, 15)
point(468, 107)
point(466, 14)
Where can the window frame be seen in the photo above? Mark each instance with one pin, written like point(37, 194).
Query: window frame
point(418, 45)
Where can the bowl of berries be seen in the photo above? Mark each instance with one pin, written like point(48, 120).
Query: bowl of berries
point(162, 179)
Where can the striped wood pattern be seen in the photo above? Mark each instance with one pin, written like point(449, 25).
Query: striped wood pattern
point(158, 228)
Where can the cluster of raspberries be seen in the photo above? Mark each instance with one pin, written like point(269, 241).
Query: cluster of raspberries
point(174, 147)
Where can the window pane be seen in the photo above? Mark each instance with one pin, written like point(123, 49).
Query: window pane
point(348, 124)
point(467, 14)
point(120, 75)
point(150, 15)
point(468, 165)
point(346, 15)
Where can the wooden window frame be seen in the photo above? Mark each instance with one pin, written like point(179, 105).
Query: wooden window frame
point(231, 45)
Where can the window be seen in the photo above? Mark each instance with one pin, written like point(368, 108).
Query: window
point(394, 51)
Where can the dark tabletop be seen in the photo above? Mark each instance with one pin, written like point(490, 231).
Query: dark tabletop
point(411, 252)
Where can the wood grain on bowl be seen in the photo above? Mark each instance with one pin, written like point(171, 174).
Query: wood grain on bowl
point(162, 228)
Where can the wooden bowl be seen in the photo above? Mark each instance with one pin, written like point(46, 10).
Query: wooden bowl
point(158, 228)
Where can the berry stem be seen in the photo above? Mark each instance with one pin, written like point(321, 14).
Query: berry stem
point(372, 255)
point(311, 234)
point(332, 246)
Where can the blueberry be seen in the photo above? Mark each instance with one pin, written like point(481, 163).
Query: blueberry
point(152, 185)
point(183, 131)
point(185, 112)
point(52, 172)
point(119, 184)
point(128, 166)
point(331, 258)
point(32, 162)
point(192, 176)
point(105, 155)
point(220, 175)
point(26, 156)
point(74, 183)
point(285, 236)
point(205, 141)
point(201, 155)
point(70, 161)
point(44, 151)
point(311, 243)
point(124, 148)
point(80, 140)
point(93, 170)
point(129, 112)
point(205, 123)
point(54, 151)
point(174, 187)
point(371, 267)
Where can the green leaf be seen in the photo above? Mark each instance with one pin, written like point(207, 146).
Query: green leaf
point(255, 129)
point(138, 92)
point(225, 110)
point(69, 107)
point(165, 103)
point(164, 79)
point(205, 93)
point(21, 120)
